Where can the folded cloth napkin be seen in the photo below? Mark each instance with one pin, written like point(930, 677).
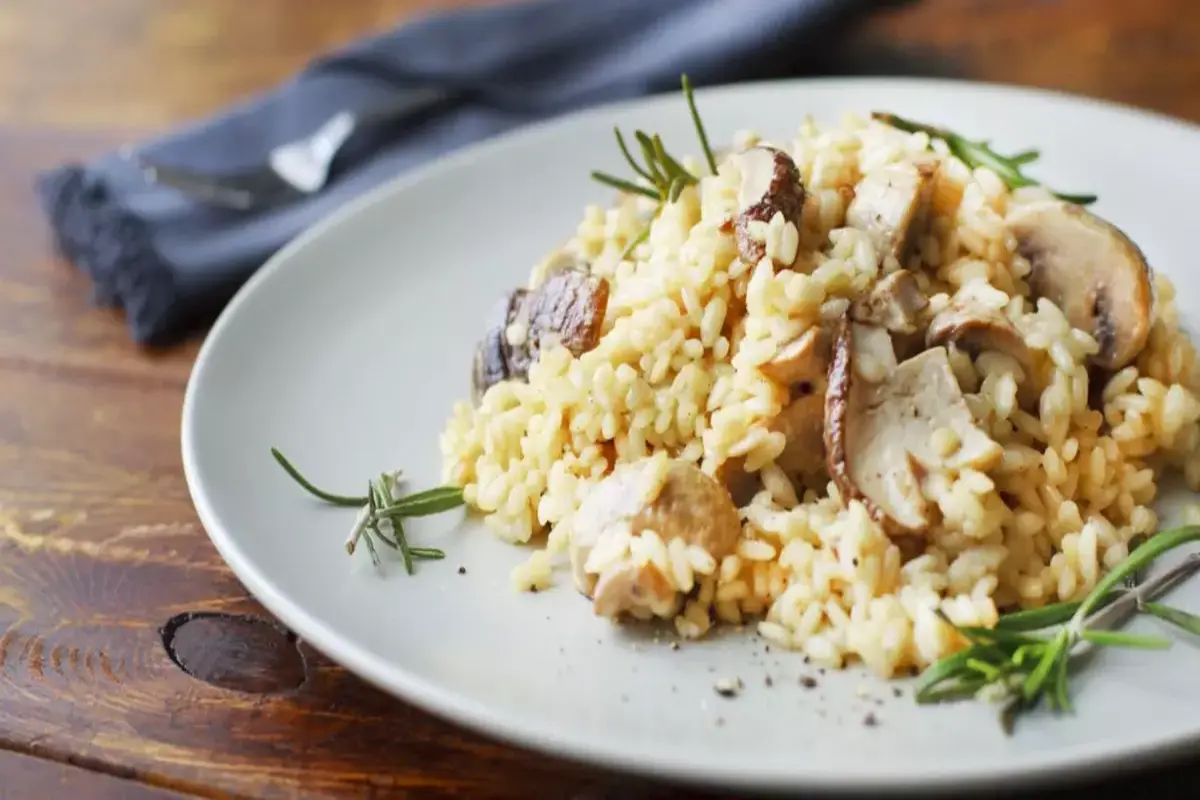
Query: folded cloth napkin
point(171, 262)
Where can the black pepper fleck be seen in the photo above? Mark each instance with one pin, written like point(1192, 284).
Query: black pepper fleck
point(767, 647)
point(674, 645)
point(871, 721)
point(821, 670)
point(854, 561)
point(768, 681)
point(808, 682)
point(462, 570)
point(807, 660)
point(897, 692)
point(533, 590)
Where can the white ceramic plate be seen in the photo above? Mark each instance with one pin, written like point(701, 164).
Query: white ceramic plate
point(349, 348)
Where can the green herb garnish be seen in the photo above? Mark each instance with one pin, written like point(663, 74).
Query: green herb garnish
point(1019, 666)
point(664, 173)
point(381, 511)
point(980, 154)
point(328, 497)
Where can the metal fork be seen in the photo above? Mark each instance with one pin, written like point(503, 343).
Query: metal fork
point(1134, 578)
point(294, 169)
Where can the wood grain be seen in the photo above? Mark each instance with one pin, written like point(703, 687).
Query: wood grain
point(24, 777)
point(101, 555)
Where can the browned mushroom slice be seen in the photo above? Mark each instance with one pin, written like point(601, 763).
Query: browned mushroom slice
point(494, 355)
point(974, 327)
point(741, 485)
point(803, 423)
point(879, 430)
point(1092, 271)
point(890, 203)
point(804, 358)
point(569, 308)
point(770, 185)
point(690, 505)
point(800, 367)
point(894, 302)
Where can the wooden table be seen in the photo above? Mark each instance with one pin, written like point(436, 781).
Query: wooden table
point(132, 663)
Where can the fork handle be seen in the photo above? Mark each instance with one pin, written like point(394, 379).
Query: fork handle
point(409, 102)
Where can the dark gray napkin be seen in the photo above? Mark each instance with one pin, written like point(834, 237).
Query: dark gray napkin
point(171, 263)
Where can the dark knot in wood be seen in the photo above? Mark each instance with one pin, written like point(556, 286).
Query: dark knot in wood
point(237, 652)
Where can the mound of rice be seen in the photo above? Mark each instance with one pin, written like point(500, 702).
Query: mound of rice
point(675, 371)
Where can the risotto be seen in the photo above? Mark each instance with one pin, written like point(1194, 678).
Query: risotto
point(835, 390)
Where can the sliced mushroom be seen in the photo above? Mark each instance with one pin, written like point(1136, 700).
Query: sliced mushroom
point(741, 485)
point(804, 358)
point(568, 308)
point(891, 203)
point(894, 302)
point(803, 423)
point(689, 505)
point(879, 429)
point(494, 353)
point(770, 185)
point(973, 327)
point(641, 591)
point(1092, 271)
point(799, 366)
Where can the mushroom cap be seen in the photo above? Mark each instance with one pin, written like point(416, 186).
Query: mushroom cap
point(495, 359)
point(879, 428)
point(684, 503)
point(569, 306)
point(975, 327)
point(1092, 271)
point(770, 185)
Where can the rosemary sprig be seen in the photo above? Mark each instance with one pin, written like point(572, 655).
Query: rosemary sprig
point(980, 154)
point(1014, 663)
point(691, 101)
point(381, 511)
point(1182, 619)
point(664, 173)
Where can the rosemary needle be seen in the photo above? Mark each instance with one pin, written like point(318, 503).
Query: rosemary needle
point(1183, 619)
point(328, 497)
point(691, 101)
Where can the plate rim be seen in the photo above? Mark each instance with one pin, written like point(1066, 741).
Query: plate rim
point(1093, 760)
